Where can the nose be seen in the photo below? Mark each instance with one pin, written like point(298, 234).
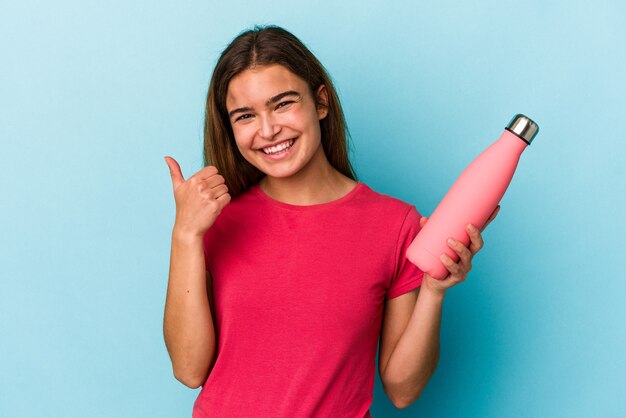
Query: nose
point(269, 128)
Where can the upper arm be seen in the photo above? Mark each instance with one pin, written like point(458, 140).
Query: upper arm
point(209, 291)
point(396, 316)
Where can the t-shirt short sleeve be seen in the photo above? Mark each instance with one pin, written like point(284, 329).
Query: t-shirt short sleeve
point(407, 276)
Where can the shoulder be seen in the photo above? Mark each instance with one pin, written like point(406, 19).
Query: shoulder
point(245, 201)
point(392, 206)
point(237, 213)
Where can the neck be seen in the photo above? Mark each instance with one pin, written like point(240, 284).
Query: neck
point(317, 183)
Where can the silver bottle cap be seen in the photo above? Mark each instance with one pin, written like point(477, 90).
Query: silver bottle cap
point(523, 127)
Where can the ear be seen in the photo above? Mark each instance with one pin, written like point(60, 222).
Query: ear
point(322, 102)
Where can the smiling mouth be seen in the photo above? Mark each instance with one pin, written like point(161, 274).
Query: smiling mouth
point(280, 148)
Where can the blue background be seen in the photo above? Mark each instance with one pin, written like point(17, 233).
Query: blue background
point(94, 94)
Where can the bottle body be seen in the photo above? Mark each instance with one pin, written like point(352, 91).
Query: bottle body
point(471, 199)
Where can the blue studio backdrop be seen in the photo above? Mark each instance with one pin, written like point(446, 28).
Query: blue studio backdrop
point(94, 94)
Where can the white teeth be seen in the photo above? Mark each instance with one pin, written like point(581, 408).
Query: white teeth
point(278, 148)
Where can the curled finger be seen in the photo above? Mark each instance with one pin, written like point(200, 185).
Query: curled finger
point(218, 191)
point(476, 239)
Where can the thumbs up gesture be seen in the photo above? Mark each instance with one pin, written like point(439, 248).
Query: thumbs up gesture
point(199, 199)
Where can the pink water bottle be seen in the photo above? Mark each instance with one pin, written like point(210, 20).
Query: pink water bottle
point(472, 198)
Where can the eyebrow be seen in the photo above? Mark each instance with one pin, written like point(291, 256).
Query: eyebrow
point(269, 102)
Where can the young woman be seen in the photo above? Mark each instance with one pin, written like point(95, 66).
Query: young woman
point(285, 269)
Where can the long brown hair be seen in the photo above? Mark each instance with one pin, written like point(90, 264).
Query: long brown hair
point(265, 45)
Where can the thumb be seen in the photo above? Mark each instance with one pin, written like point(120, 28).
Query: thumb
point(175, 173)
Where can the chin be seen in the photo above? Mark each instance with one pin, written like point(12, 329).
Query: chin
point(280, 174)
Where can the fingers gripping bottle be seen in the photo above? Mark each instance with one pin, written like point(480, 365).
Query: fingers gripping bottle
point(472, 198)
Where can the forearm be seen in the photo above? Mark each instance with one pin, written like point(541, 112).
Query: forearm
point(415, 356)
point(188, 323)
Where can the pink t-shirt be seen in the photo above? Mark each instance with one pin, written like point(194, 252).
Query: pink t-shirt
point(299, 293)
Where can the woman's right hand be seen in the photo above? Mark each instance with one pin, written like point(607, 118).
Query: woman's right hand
point(199, 199)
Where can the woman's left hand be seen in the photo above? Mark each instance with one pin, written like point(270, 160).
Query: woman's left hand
point(458, 271)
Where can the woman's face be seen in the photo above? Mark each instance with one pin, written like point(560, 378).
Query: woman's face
point(269, 106)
